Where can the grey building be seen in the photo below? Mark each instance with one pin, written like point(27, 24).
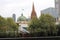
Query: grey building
point(51, 11)
point(14, 17)
point(57, 6)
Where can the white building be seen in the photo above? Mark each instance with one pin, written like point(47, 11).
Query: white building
point(23, 23)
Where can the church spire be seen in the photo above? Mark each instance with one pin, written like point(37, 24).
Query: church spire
point(33, 14)
point(33, 7)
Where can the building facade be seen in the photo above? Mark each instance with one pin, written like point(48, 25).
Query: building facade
point(57, 6)
point(51, 11)
point(14, 17)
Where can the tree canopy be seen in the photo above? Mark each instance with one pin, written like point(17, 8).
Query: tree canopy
point(7, 24)
point(34, 24)
point(3, 24)
point(44, 24)
point(47, 24)
point(12, 25)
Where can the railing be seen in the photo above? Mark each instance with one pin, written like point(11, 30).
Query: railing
point(34, 38)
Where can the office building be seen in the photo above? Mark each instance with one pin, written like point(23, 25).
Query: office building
point(51, 11)
point(14, 17)
point(57, 6)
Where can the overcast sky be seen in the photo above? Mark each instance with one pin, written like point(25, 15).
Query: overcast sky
point(8, 7)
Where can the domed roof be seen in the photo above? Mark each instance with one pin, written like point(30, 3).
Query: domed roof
point(21, 18)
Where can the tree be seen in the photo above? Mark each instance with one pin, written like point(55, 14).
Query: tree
point(43, 26)
point(34, 25)
point(47, 24)
point(58, 27)
point(12, 25)
point(3, 24)
point(7, 25)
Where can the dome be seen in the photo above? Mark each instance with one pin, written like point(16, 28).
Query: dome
point(21, 18)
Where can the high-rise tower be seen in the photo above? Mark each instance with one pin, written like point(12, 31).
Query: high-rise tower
point(14, 17)
point(33, 13)
point(57, 6)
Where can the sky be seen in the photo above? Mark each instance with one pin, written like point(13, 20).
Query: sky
point(9, 7)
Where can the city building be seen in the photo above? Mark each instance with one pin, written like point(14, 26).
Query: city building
point(33, 13)
point(51, 11)
point(23, 21)
point(14, 17)
point(57, 7)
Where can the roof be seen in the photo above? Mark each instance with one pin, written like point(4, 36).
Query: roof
point(21, 18)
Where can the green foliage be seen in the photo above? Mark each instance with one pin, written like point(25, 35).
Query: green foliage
point(34, 25)
point(3, 24)
point(45, 24)
point(12, 25)
point(58, 27)
point(7, 24)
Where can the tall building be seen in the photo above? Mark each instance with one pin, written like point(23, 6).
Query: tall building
point(57, 6)
point(14, 17)
point(51, 11)
point(33, 13)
